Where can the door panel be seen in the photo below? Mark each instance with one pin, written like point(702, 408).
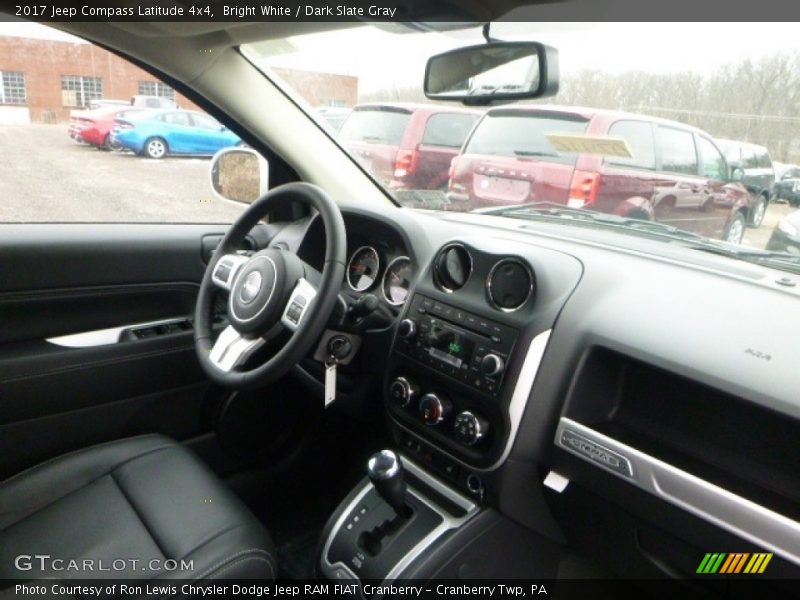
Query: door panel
point(58, 280)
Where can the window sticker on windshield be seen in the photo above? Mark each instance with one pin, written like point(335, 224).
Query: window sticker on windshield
point(590, 144)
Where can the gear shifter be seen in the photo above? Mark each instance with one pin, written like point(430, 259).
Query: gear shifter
point(386, 473)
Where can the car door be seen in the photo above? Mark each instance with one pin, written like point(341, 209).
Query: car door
point(720, 200)
point(101, 257)
point(683, 195)
point(209, 135)
point(442, 138)
point(631, 186)
point(179, 132)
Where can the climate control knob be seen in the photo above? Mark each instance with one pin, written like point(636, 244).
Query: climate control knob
point(492, 365)
point(434, 409)
point(407, 329)
point(403, 392)
point(470, 428)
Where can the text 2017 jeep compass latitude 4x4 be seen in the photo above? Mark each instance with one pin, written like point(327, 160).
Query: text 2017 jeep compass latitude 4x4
point(676, 174)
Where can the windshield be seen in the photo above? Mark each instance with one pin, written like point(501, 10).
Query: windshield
point(699, 126)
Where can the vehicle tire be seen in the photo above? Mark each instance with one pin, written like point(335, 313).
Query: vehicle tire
point(109, 145)
point(735, 232)
point(757, 212)
point(155, 147)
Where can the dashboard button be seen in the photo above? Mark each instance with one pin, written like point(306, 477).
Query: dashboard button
point(470, 428)
point(407, 329)
point(434, 409)
point(403, 392)
point(492, 365)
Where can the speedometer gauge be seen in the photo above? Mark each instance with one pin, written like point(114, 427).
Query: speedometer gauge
point(397, 280)
point(362, 270)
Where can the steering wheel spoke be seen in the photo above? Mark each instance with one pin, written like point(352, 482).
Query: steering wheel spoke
point(298, 304)
point(232, 350)
point(226, 269)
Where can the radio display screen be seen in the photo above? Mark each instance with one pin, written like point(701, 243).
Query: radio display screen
point(451, 347)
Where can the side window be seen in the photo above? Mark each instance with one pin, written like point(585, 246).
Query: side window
point(762, 156)
point(65, 97)
point(678, 154)
point(713, 164)
point(178, 118)
point(750, 158)
point(448, 129)
point(639, 135)
point(205, 122)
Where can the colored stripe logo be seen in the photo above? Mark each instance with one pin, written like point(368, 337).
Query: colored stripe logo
point(734, 563)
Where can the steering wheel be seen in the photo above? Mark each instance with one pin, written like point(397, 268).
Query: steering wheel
point(270, 292)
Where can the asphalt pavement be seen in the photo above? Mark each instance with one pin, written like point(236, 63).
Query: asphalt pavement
point(48, 177)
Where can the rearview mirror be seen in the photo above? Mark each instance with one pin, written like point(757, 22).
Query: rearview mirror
point(493, 72)
point(239, 175)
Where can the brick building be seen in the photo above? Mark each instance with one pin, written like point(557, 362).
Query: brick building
point(322, 89)
point(42, 80)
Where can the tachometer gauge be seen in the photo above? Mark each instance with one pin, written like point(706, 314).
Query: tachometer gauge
point(397, 280)
point(362, 270)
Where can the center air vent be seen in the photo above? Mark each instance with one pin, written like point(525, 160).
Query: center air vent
point(452, 267)
point(510, 284)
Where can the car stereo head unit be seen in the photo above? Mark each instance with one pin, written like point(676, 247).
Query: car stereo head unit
point(461, 345)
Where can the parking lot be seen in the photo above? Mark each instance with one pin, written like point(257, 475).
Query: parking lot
point(48, 177)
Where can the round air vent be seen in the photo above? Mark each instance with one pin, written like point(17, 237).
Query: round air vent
point(452, 267)
point(510, 284)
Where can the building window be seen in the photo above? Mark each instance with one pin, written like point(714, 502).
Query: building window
point(12, 90)
point(79, 91)
point(156, 88)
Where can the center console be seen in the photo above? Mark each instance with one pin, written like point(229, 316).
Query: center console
point(447, 377)
point(389, 521)
point(459, 375)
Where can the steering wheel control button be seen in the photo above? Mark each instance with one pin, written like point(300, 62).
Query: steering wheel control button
point(492, 365)
point(470, 428)
point(407, 329)
point(294, 313)
point(298, 304)
point(433, 409)
point(225, 270)
point(403, 392)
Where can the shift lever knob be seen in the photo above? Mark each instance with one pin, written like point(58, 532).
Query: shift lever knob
point(386, 473)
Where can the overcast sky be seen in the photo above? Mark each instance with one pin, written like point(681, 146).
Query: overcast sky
point(381, 59)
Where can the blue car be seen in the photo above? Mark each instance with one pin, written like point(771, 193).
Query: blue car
point(156, 134)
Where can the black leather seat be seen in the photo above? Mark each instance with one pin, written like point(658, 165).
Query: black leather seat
point(139, 499)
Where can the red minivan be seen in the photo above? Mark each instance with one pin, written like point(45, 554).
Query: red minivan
point(676, 174)
point(407, 146)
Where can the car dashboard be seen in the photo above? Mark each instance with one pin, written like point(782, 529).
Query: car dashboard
point(530, 368)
